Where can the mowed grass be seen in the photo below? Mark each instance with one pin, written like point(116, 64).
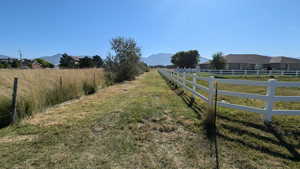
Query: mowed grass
point(278, 143)
point(143, 124)
point(41, 88)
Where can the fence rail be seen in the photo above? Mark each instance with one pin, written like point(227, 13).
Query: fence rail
point(245, 72)
point(180, 78)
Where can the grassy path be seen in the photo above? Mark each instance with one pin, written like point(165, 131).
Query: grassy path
point(138, 124)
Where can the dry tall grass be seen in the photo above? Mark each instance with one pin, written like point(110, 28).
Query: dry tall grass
point(39, 89)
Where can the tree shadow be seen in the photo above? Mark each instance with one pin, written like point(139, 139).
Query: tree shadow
point(266, 128)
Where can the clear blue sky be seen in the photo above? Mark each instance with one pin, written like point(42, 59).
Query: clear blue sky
point(84, 27)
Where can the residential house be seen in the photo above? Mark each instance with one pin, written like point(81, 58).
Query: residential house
point(257, 62)
point(36, 65)
point(246, 61)
point(284, 63)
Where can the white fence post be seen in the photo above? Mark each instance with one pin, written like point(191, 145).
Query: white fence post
point(194, 84)
point(257, 72)
point(211, 89)
point(297, 73)
point(184, 78)
point(269, 104)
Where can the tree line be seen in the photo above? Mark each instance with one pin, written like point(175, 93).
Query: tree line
point(123, 63)
point(191, 58)
point(24, 63)
point(68, 61)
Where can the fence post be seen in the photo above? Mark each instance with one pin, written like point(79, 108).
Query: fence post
point(269, 105)
point(297, 72)
point(194, 84)
point(60, 82)
point(14, 101)
point(183, 78)
point(94, 79)
point(211, 89)
point(257, 72)
point(245, 72)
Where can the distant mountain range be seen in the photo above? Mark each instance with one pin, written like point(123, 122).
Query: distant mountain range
point(158, 59)
point(155, 59)
point(5, 57)
point(163, 59)
point(52, 59)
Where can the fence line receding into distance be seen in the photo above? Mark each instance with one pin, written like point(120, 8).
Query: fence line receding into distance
point(180, 78)
point(245, 72)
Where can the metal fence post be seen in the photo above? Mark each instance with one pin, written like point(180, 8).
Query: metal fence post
point(269, 105)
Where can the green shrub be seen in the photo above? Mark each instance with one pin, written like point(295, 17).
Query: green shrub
point(125, 64)
point(89, 88)
point(5, 105)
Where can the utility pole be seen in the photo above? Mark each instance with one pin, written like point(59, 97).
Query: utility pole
point(20, 57)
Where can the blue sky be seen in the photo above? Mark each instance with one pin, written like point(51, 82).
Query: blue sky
point(84, 27)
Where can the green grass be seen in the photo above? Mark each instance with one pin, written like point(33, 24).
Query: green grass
point(141, 124)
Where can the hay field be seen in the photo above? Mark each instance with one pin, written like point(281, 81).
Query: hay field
point(41, 88)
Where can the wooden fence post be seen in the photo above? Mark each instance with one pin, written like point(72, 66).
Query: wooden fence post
point(94, 80)
point(60, 82)
point(14, 101)
point(269, 105)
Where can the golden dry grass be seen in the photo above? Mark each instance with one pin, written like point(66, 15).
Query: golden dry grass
point(40, 88)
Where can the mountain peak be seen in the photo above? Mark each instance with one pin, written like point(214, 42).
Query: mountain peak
point(158, 59)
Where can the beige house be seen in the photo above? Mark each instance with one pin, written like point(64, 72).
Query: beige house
point(257, 62)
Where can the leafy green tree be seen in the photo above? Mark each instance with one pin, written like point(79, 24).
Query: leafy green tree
point(16, 63)
point(86, 62)
point(4, 65)
point(186, 59)
point(44, 63)
point(98, 61)
point(123, 64)
point(218, 61)
point(67, 61)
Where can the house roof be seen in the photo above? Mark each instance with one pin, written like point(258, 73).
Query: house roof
point(205, 63)
point(247, 58)
point(283, 59)
point(77, 58)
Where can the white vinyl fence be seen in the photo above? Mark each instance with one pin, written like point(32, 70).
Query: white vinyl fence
point(244, 72)
point(271, 85)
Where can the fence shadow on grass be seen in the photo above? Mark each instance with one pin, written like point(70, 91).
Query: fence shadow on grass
point(278, 140)
point(189, 101)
